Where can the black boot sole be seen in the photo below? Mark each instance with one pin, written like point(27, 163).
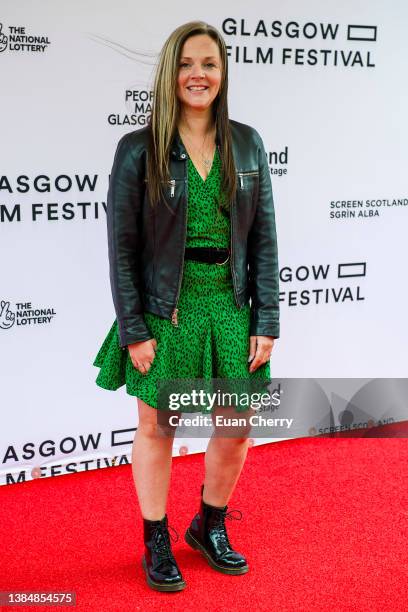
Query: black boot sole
point(191, 541)
point(157, 586)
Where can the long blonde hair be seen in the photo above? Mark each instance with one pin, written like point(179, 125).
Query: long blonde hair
point(166, 113)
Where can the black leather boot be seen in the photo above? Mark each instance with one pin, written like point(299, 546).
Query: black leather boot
point(207, 533)
point(162, 572)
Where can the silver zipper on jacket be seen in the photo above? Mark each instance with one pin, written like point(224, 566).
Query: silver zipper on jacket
point(172, 183)
point(175, 309)
point(241, 184)
point(242, 174)
point(231, 258)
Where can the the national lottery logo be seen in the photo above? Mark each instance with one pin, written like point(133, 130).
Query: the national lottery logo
point(24, 314)
point(20, 40)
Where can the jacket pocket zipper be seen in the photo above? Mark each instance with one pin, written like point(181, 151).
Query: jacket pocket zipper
point(249, 173)
point(172, 183)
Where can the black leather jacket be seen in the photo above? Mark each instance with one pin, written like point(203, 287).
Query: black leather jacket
point(146, 246)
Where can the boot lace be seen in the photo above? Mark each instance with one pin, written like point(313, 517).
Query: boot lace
point(161, 539)
point(219, 524)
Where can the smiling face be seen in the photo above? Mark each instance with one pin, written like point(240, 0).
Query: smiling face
point(200, 72)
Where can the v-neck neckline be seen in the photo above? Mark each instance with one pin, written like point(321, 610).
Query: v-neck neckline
point(204, 181)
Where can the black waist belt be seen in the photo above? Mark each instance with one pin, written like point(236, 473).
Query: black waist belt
point(207, 254)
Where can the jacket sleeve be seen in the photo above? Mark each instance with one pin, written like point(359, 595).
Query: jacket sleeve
point(123, 206)
point(263, 269)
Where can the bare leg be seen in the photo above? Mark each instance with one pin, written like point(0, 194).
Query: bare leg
point(224, 460)
point(151, 463)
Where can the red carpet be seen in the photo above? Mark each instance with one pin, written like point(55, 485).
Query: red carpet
point(324, 526)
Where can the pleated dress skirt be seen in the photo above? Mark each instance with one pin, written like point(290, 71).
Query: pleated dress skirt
point(211, 339)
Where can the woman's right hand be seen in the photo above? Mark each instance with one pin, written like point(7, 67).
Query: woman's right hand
point(142, 354)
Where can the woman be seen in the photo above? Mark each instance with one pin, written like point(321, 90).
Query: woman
point(191, 234)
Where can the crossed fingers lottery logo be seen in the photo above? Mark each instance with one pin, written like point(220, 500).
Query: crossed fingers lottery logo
point(24, 314)
point(7, 317)
point(21, 40)
point(3, 39)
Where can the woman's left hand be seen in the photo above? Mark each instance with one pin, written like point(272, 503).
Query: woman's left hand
point(260, 349)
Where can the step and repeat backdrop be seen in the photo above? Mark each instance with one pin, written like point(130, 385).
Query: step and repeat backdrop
point(324, 84)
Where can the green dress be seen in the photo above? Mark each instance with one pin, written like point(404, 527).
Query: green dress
point(211, 339)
